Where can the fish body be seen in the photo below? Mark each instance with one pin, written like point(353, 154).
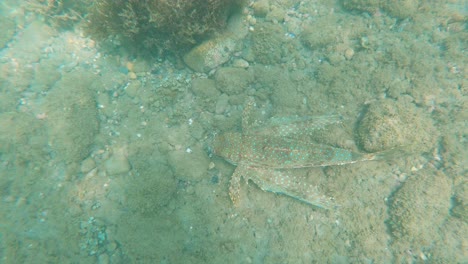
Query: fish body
point(281, 152)
point(267, 154)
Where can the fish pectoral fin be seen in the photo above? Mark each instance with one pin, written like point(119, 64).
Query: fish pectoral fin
point(234, 187)
point(282, 182)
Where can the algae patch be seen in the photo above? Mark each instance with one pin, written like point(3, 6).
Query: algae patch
point(159, 26)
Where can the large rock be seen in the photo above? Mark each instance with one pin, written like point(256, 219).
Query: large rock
point(8, 29)
point(398, 8)
point(217, 51)
point(418, 210)
point(189, 166)
point(210, 54)
point(23, 140)
point(389, 124)
point(205, 88)
point(72, 117)
point(153, 187)
point(233, 80)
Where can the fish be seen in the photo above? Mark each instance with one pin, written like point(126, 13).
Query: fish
point(268, 152)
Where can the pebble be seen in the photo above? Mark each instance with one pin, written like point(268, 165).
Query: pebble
point(132, 75)
point(103, 259)
point(87, 165)
point(117, 164)
point(133, 88)
point(240, 63)
point(111, 247)
point(349, 53)
point(130, 66)
point(211, 166)
point(261, 8)
point(210, 54)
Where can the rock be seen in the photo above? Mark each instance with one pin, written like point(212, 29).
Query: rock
point(240, 63)
point(72, 117)
point(401, 8)
point(133, 88)
point(152, 189)
point(46, 75)
point(205, 88)
point(460, 208)
point(398, 8)
point(391, 124)
point(189, 166)
point(261, 8)
point(132, 75)
point(152, 183)
point(8, 29)
point(349, 53)
point(140, 65)
point(222, 104)
point(268, 43)
point(214, 52)
point(117, 163)
point(418, 210)
point(232, 80)
point(362, 5)
point(37, 33)
point(103, 259)
point(276, 14)
point(210, 54)
point(87, 165)
point(23, 141)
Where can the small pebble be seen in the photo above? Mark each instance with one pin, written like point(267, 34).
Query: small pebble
point(211, 166)
point(240, 63)
point(132, 75)
point(130, 66)
point(349, 53)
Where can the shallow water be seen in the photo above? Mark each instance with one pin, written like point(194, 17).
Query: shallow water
point(103, 154)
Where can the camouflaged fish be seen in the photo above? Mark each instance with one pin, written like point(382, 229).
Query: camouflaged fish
point(266, 154)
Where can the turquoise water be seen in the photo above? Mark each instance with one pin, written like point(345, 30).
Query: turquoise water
point(103, 151)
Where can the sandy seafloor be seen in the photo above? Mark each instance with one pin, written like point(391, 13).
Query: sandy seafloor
point(103, 155)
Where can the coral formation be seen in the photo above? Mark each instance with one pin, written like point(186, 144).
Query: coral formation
point(159, 26)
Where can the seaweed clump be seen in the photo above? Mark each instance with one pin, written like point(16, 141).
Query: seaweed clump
point(159, 26)
point(63, 14)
